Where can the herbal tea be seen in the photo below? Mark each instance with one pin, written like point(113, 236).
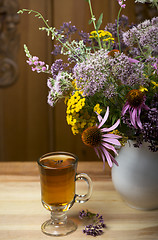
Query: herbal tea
point(57, 180)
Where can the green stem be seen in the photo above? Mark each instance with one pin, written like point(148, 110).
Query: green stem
point(118, 37)
point(93, 20)
point(51, 30)
point(140, 48)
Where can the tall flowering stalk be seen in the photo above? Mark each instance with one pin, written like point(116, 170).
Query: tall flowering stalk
point(122, 5)
point(93, 19)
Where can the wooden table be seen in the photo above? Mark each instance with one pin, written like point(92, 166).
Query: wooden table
point(21, 211)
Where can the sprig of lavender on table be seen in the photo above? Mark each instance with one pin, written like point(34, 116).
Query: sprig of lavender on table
point(95, 228)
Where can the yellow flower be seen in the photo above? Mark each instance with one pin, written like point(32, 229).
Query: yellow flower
point(106, 33)
point(154, 83)
point(109, 39)
point(93, 34)
point(83, 123)
point(75, 111)
point(102, 34)
point(73, 122)
point(74, 130)
point(97, 108)
point(91, 124)
point(143, 89)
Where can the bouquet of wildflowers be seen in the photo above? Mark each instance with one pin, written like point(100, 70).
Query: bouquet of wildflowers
point(109, 82)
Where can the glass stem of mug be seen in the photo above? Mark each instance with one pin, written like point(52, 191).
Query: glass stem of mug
point(58, 217)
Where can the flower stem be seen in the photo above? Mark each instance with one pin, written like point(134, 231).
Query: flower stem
point(93, 20)
point(118, 37)
point(54, 34)
point(140, 48)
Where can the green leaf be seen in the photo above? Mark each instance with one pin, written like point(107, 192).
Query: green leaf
point(99, 21)
point(90, 21)
point(20, 12)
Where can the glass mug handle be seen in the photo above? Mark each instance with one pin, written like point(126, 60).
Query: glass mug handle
point(85, 197)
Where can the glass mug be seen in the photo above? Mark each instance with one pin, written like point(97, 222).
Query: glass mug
point(57, 177)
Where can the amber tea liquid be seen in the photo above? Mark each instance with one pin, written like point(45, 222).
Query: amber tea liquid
point(57, 173)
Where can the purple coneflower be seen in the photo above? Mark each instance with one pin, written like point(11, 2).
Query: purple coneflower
point(134, 104)
point(101, 140)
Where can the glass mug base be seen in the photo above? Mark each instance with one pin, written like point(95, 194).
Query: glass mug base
point(58, 207)
point(58, 229)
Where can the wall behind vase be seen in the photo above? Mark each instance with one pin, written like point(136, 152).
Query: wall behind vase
point(24, 113)
point(28, 126)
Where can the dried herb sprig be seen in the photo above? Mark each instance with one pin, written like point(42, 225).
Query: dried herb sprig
point(95, 228)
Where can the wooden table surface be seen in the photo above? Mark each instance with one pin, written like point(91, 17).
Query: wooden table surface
point(21, 211)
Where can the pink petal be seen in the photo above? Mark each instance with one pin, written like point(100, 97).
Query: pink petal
point(113, 141)
point(107, 155)
point(106, 145)
point(132, 60)
point(138, 119)
point(125, 108)
point(99, 117)
point(111, 135)
point(103, 157)
point(104, 118)
point(112, 127)
point(114, 160)
point(133, 115)
point(145, 107)
point(96, 150)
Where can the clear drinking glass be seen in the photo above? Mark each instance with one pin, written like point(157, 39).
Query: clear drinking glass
point(57, 177)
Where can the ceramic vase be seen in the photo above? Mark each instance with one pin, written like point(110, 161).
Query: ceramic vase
point(136, 177)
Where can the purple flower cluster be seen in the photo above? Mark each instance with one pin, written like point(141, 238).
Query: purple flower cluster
point(85, 37)
point(59, 87)
point(95, 228)
point(103, 73)
point(66, 31)
point(149, 131)
point(58, 66)
point(146, 34)
point(92, 74)
point(150, 126)
point(127, 72)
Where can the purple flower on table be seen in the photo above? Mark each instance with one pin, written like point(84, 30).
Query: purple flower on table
point(134, 104)
point(102, 140)
point(95, 228)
